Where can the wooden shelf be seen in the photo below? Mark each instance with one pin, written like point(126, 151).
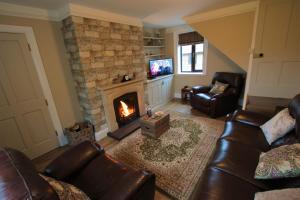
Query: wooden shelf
point(154, 46)
point(154, 55)
point(154, 38)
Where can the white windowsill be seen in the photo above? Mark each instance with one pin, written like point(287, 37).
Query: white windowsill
point(191, 73)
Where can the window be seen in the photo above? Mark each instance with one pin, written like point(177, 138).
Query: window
point(191, 57)
point(190, 52)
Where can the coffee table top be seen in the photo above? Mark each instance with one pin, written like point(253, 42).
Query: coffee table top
point(153, 119)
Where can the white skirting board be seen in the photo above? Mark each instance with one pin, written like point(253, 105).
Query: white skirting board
point(177, 95)
point(101, 134)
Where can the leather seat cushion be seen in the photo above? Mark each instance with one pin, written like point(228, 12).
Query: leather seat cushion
point(218, 185)
point(238, 160)
point(104, 175)
point(248, 135)
point(204, 98)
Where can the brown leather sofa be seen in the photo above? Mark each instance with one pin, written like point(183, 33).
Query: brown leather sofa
point(216, 105)
point(230, 172)
point(86, 166)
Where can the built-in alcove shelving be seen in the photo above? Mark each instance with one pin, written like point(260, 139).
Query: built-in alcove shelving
point(154, 43)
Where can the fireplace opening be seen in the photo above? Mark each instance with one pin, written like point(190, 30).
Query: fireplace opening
point(126, 108)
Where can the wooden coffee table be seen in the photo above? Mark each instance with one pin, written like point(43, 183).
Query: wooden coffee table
point(155, 126)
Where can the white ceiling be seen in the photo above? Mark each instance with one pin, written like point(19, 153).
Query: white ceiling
point(160, 13)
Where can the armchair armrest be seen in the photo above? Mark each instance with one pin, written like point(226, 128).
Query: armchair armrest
point(228, 93)
point(200, 89)
point(72, 160)
point(250, 118)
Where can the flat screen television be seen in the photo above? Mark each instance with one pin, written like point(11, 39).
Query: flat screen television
point(159, 67)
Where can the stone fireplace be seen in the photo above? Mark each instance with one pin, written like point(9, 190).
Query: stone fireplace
point(100, 52)
point(112, 95)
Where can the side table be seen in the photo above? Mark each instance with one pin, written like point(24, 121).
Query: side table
point(155, 126)
point(185, 93)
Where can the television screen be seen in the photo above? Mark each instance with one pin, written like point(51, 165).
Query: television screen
point(160, 67)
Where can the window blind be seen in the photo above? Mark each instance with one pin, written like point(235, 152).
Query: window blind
point(190, 38)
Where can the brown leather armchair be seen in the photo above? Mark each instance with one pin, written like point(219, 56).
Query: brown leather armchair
point(216, 105)
point(86, 166)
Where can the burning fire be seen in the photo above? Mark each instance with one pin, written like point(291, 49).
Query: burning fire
point(125, 111)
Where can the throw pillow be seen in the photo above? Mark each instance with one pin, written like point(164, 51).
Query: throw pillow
point(64, 190)
point(218, 88)
point(278, 126)
point(281, 162)
point(284, 194)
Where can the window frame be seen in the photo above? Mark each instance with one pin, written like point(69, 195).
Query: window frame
point(193, 59)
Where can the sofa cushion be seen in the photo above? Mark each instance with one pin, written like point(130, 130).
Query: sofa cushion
point(281, 162)
point(64, 190)
point(278, 126)
point(216, 185)
point(218, 88)
point(289, 138)
point(250, 136)
point(285, 194)
point(104, 176)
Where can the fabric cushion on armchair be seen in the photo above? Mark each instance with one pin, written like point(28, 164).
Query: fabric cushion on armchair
point(216, 105)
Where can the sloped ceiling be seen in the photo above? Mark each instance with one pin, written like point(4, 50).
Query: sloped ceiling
point(232, 35)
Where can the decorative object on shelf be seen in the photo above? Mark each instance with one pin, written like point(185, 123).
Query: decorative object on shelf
point(153, 41)
point(126, 78)
point(157, 33)
point(80, 132)
point(159, 42)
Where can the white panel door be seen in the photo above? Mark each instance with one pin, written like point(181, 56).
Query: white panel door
point(25, 123)
point(276, 72)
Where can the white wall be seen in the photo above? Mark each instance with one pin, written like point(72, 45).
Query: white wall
point(215, 61)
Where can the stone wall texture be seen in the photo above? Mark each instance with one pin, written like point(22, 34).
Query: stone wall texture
point(100, 51)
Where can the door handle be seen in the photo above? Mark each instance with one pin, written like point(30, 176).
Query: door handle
point(258, 55)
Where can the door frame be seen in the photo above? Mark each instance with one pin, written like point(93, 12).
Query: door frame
point(37, 60)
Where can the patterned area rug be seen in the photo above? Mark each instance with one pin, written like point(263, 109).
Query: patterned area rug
point(178, 157)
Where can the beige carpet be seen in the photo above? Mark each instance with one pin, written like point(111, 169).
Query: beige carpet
point(178, 157)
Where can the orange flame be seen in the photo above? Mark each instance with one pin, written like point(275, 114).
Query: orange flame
point(125, 110)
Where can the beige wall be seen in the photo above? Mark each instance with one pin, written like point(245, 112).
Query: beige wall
point(52, 50)
point(231, 34)
point(216, 61)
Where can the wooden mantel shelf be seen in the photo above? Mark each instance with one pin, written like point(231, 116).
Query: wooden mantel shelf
point(116, 85)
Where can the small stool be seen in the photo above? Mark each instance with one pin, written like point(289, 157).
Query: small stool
point(185, 93)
